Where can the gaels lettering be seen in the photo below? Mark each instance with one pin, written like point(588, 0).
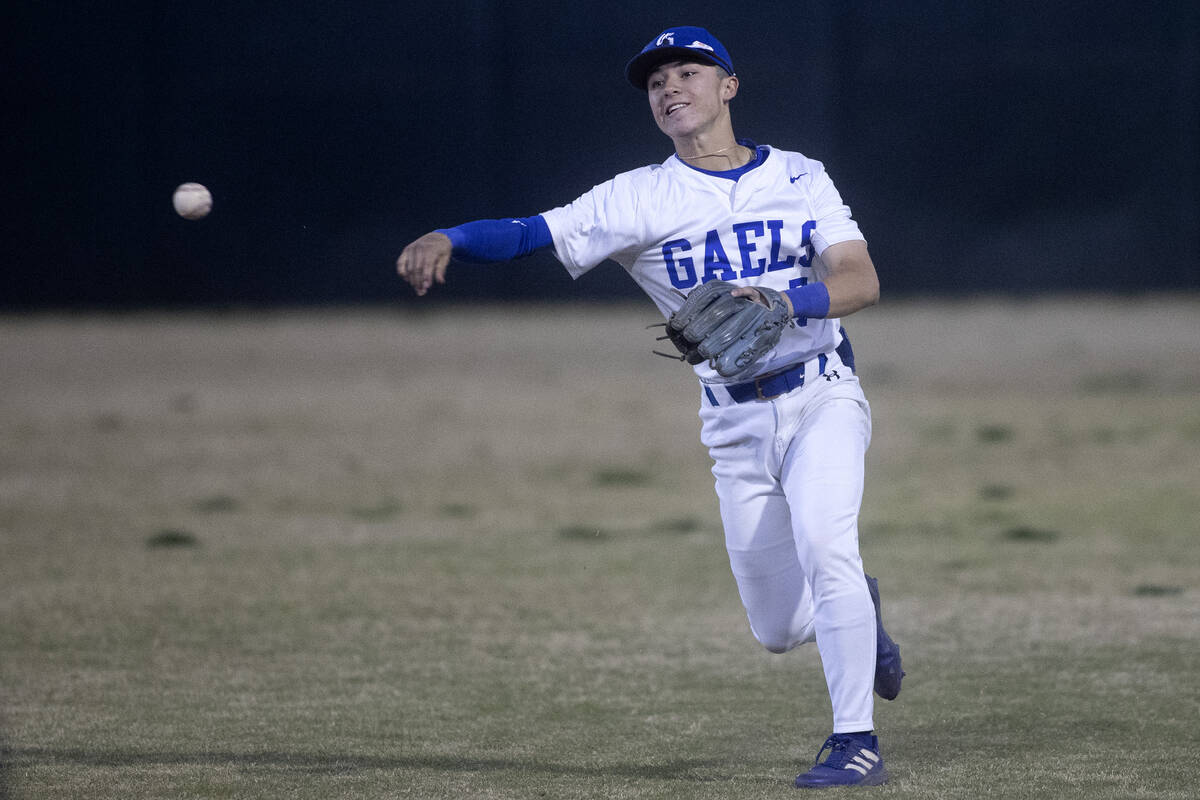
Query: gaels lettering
point(716, 263)
point(688, 277)
point(806, 230)
point(681, 268)
point(752, 266)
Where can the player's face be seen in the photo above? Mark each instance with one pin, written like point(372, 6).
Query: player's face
point(689, 99)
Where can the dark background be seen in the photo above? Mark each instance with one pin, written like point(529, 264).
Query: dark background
point(1015, 147)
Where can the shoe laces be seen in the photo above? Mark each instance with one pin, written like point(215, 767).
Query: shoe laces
point(842, 748)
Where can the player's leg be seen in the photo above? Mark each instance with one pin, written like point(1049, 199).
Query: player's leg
point(774, 591)
point(758, 526)
point(822, 476)
point(889, 670)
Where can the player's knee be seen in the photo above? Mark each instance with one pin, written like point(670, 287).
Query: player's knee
point(779, 645)
point(775, 640)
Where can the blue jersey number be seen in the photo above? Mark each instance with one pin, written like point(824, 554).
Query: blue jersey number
point(804, 261)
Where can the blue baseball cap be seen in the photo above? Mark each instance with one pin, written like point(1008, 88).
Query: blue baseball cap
point(685, 43)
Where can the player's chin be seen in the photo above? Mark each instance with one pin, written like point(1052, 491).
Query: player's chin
point(673, 127)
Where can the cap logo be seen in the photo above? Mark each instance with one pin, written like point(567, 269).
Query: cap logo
point(702, 46)
point(666, 38)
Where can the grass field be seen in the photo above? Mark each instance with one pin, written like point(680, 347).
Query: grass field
point(475, 553)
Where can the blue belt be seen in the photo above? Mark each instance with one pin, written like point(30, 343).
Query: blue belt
point(771, 386)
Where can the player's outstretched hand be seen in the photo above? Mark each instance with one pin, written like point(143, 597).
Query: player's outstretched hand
point(424, 261)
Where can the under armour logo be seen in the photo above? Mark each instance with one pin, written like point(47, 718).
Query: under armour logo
point(666, 38)
point(829, 376)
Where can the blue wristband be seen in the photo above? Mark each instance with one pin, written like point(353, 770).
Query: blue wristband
point(809, 300)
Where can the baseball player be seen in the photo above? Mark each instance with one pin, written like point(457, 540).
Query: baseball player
point(787, 435)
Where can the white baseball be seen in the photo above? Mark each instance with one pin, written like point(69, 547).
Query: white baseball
point(192, 201)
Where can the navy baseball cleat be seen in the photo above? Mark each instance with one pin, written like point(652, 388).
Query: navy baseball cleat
point(888, 673)
point(854, 760)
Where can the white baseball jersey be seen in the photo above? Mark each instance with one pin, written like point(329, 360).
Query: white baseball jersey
point(674, 227)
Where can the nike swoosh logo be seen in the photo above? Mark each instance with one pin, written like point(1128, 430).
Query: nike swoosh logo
point(798, 177)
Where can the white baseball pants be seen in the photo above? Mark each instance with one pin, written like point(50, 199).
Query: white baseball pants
point(789, 477)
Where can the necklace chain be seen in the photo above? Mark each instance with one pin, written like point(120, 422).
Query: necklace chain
point(713, 154)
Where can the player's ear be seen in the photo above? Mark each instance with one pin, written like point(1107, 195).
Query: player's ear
point(729, 88)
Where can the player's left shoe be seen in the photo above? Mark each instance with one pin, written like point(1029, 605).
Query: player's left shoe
point(853, 760)
point(888, 672)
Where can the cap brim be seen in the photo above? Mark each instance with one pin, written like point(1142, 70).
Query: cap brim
point(640, 66)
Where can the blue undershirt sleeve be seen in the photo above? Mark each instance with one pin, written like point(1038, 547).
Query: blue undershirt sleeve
point(491, 240)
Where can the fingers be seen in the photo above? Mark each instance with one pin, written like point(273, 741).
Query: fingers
point(749, 291)
point(424, 261)
point(758, 297)
point(415, 266)
point(439, 269)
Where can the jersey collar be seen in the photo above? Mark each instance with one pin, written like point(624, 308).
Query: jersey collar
point(760, 156)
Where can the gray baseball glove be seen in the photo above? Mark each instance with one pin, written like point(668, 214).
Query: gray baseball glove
point(731, 333)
